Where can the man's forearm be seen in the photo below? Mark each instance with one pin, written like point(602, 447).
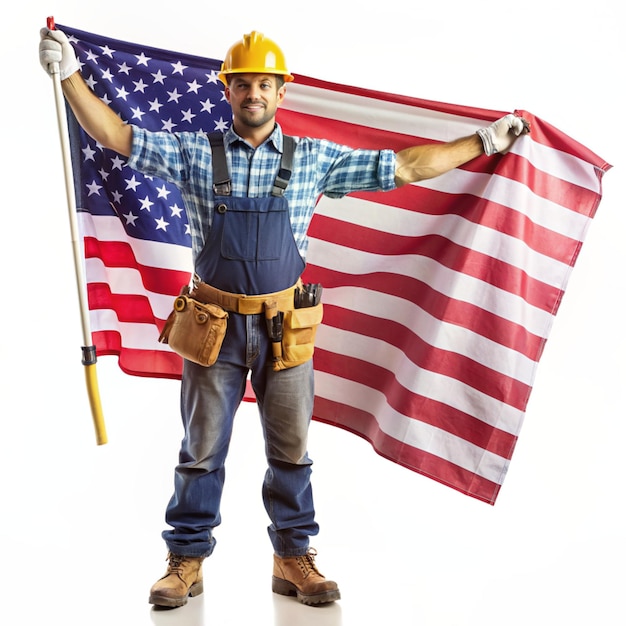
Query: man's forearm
point(95, 117)
point(430, 160)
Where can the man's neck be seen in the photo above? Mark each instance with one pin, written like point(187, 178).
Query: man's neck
point(254, 136)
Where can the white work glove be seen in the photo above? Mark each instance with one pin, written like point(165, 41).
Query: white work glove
point(55, 47)
point(499, 136)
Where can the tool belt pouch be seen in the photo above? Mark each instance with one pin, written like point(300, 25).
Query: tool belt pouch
point(195, 330)
point(299, 329)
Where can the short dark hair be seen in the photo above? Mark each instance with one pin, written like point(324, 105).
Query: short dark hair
point(280, 79)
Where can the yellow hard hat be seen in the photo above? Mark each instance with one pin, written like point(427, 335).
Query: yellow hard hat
point(254, 54)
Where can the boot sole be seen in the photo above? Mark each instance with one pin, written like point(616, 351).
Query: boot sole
point(285, 588)
point(195, 590)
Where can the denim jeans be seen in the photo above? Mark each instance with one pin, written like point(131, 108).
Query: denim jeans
point(210, 397)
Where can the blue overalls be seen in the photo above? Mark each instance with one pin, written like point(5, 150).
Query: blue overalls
point(251, 250)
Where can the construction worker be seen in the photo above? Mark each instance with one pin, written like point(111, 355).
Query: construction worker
point(222, 200)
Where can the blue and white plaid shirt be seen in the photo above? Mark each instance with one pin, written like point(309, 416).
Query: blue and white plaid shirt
point(319, 167)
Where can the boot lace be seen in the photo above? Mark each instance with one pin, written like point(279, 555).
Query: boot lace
point(175, 563)
point(307, 562)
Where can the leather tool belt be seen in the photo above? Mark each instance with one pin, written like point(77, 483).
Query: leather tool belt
point(241, 303)
point(196, 327)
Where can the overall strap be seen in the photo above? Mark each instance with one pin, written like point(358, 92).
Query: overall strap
point(221, 178)
point(286, 163)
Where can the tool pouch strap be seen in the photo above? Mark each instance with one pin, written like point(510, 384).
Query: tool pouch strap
point(241, 303)
point(195, 330)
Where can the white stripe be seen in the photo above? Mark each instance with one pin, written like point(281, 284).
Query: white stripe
point(127, 281)
point(381, 114)
point(467, 234)
point(514, 195)
point(412, 120)
point(133, 336)
point(442, 335)
point(412, 432)
point(560, 164)
point(455, 285)
point(167, 256)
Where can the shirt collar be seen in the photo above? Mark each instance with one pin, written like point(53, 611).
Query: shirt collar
point(275, 139)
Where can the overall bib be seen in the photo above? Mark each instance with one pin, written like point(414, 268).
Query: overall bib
point(250, 250)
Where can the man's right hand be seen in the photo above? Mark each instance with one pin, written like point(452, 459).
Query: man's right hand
point(55, 47)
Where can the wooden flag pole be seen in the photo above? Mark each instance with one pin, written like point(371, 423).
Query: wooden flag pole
point(89, 350)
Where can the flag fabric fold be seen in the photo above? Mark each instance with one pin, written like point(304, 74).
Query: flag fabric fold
point(439, 297)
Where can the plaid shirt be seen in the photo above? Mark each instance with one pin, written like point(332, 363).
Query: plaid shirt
point(319, 167)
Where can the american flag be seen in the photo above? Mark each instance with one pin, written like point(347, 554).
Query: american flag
point(439, 297)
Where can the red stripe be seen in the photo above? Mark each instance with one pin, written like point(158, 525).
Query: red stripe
point(128, 307)
point(364, 424)
point(487, 380)
point(479, 211)
point(442, 107)
point(458, 258)
point(463, 314)
point(415, 406)
point(152, 363)
point(120, 254)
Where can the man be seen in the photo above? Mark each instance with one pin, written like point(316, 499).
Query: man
point(250, 195)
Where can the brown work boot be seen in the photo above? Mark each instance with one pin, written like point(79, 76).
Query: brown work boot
point(298, 576)
point(182, 579)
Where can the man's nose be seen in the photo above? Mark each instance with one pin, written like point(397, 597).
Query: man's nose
point(254, 92)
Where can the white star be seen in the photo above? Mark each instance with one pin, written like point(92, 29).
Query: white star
point(121, 92)
point(207, 105)
point(188, 116)
point(91, 81)
point(140, 85)
point(221, 124)
point(92, 56)
point(142, 59)
point(89, 153)
point(106, 74)
point(174, 95)
point(137, 113)
point(130, 218)
point(132, 183)
point(117, 196)
point(161, 224)
point(176, 211)
point(155, 105)
point(179, 68)
point(146, 204)
point(159, 77)
point(187, 229)
point(105, 98)
point(168, 125)
point(124, 69)
point(195, 86)
point(212, 78)
point(163, 192)
point(93, 188)
point(104, 174)
point(108, 51)
point(117, 163)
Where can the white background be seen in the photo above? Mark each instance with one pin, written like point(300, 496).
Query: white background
point(80, 524)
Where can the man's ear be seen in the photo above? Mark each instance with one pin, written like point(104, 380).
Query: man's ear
point(281, 94)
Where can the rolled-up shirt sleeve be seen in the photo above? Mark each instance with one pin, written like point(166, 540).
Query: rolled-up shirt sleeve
point(362, 170)
point(158, 154)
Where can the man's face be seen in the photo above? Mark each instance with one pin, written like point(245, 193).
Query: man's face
point(254, 98)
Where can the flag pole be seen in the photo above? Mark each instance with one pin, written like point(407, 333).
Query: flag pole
point(89, 350)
